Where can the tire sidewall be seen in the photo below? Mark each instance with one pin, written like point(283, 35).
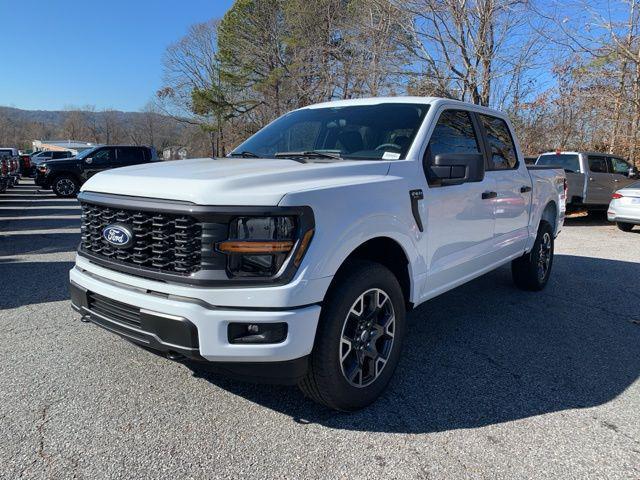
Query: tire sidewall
point(338, 303)
point(535, 253)
point(65, 177)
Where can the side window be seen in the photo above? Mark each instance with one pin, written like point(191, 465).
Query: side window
point(597, 164)
point(619, 166)
point(454, 133)
point(502, 149)
point(130, 156)
point(103, 157)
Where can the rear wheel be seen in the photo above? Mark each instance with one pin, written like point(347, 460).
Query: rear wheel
point(532, 270)
point(359, 338)
point(65, 186)
point(625, 227)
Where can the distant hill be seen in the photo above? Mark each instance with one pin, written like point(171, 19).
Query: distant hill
point(56, 118)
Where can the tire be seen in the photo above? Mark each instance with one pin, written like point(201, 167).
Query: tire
point(625, 227)
point(65, 186)
point(343, 314)
point(532, 270)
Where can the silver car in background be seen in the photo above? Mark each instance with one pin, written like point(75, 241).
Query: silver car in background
point(624, 208)
point(592, 177)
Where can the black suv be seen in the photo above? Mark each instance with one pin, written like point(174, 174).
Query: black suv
point(66, 176)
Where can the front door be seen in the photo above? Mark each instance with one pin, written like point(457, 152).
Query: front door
point(620, 173)
point(100, 160)
point(460, 222)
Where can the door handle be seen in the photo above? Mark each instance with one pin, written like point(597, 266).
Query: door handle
point(525, 189)
point(488, 195)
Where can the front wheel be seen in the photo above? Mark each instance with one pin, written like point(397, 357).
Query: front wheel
point(65, 186)
point(532, 270)
point(359, 338)
point(625, 227)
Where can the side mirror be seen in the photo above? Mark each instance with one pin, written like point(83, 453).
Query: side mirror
point(88, 160)
point(633, 172)
point(457, 168)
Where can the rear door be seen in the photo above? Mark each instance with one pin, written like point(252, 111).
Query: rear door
point(513, 187)
point(459, 221)
point(126, 156)
point(600, 181)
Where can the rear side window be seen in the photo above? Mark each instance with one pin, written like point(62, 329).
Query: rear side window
point(453, 133)
point(503, 151)
point(569, 162)
point(130, 156)
point(597, 164)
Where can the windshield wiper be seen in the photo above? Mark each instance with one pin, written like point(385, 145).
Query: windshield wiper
point(308, 154)
point(244, 154)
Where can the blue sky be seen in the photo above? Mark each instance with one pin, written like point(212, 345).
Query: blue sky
point(106, 53)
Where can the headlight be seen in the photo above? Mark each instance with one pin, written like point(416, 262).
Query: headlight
point(261, 246)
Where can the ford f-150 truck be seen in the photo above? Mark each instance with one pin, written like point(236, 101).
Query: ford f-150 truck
point(296, 258)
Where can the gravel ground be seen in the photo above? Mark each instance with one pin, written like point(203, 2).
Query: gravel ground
point(493, 383)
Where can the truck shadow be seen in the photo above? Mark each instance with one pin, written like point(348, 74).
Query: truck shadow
point(487, 353)
point(592, 219)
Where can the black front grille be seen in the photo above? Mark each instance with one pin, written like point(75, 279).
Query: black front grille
point(114, 310)
point(164, 242)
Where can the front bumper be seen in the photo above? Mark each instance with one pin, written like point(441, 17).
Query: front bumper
point(193, 328)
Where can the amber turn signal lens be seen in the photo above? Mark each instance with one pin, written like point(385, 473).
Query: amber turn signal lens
point(232, 246)
point(304, 244)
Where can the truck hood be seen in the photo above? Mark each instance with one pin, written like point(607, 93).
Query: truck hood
point(232, 181)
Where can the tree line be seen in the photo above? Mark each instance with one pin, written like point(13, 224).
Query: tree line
point(566, 71)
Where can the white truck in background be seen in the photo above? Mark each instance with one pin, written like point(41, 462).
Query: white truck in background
point(296, 258)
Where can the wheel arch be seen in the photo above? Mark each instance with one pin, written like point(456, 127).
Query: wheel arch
point(550, 215)
point(65, 173)
point(387, 252)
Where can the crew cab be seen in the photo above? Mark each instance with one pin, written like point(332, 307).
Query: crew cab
point(296, 258)
point(592, 177)
point(66, 176)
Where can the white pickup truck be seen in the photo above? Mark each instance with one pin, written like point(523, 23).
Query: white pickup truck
point(296, 258)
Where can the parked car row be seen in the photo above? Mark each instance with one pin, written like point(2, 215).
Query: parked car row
point(10, 173)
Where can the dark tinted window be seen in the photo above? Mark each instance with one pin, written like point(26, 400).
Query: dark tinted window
point(570, 162)
point(597, 164)
point(502, 150)
point(61, 155)
point(130, 156)
point(453, 133)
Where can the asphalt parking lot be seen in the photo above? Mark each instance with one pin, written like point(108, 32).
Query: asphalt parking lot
point(494, 382)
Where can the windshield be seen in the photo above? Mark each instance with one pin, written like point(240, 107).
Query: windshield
point(383, 131)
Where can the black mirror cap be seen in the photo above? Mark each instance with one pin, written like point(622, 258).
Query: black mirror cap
point(457, 168)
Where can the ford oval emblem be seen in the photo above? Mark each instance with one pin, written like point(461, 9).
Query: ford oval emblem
point(118, 235)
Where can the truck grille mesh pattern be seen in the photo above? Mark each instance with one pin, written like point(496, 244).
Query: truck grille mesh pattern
point(164, 242)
